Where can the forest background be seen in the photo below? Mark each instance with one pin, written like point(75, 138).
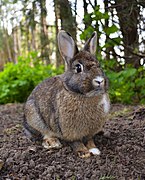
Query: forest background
point(29, 51)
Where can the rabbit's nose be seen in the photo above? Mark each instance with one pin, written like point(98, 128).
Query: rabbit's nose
point(98, 81)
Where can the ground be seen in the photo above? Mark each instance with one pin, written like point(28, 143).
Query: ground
point(122, 150)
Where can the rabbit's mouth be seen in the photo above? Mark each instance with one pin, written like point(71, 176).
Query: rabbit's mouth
point(88, 93)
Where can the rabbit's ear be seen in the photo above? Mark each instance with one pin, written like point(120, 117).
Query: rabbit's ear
point(91, 44)
point(67, 46)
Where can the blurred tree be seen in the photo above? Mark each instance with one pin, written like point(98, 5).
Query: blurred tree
point(15, 44)
point(5, 40)
point(106, 4)
point(33, 26)
point(44, 32)
point(128, 13)
point(64, 20)
point(63, 9)
point(87, 21)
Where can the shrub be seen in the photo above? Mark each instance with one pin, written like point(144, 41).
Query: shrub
point(127, 86)
point(18, 80)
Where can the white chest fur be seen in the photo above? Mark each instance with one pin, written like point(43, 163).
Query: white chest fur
point(106, 103)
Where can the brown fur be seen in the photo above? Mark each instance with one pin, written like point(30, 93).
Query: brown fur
point(68, 106)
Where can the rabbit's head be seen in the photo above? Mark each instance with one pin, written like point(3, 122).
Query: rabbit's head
point(83, 73)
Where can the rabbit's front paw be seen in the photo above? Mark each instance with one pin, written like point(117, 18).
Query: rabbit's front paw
point(87, 153)
point(84, 154)
point(92, 147)
point(51, 143)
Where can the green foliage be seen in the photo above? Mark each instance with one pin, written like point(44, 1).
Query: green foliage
point(112, 42)
point(98, 15)
point(18, 80)
point(111, 29)
point(127, 85)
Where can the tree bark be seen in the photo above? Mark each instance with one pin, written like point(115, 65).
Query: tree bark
point(59, 60)
point(33, 26)
point(63, 14)
point(15, 49)
point(128, 12)
point(8, 49)
point(106, 25)
point(44, 33)
point(68, 22)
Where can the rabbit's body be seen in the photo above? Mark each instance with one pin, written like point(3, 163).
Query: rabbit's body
point(71, 106)
point(85, 119)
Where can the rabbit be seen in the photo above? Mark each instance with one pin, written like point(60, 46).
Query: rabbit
point(73, 106)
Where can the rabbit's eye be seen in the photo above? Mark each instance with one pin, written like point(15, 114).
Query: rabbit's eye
point(78, 68)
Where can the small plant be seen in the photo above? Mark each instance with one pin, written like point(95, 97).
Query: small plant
point(107, 177)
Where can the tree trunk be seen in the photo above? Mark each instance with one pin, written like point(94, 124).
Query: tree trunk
point(68, 22)
point(87, 17)
point(106, 25)
point(63, 14)
point(15, 49)
point(33, 26)
point(86, 23)
point(44, 33)
point(8, 49)
point(128, 12)
point(59, 60)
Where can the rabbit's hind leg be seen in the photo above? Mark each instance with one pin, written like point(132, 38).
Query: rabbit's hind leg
point(34, 119)
point(92, 147)
point(51, 142)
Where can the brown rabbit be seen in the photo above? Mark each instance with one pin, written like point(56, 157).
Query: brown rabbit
point(73, 106)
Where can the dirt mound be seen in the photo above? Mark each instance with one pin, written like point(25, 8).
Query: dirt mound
point(122, 150)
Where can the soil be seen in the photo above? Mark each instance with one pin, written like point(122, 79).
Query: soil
point(122, 150)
